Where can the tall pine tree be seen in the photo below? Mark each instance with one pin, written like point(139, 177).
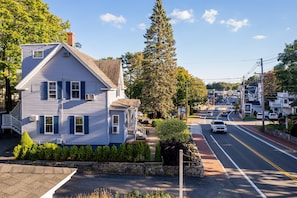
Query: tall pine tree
point(159, 65)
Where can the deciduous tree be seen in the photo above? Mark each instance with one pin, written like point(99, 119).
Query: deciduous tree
point(22, 22)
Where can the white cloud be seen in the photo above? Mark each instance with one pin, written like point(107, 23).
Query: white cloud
point(141, 26)
point(236, 25)
point(210, 15)
point(260, 37)
point(288, 28)
point(116, 21)
point(183, 15)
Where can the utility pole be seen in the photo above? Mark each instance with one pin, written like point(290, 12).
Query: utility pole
point(243, 98)
point(187, 84)
point(262, 98)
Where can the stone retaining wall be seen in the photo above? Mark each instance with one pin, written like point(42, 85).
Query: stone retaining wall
point(282, 135)
point(123, 168)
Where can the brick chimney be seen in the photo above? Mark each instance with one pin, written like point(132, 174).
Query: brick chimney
point(70, 40)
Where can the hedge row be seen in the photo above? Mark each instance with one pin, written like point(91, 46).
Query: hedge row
point(28, 150)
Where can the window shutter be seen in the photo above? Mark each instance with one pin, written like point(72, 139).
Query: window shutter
point(56, 124)
point(82, 89)
point(60, 89)
point(71, 124)
point(86, 124)
point(41, 124)
point(43, 91)
point(67, 90)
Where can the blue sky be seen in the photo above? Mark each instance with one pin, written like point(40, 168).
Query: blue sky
point(216, 40)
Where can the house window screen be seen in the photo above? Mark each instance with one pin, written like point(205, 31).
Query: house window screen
point(79, 125)
point(52, 89)
point(75, 90)
point(49, 125)
point(115, 124)
point(37, 54)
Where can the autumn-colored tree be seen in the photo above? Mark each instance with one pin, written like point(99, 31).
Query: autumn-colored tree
point(24, 21)
point(159, 65)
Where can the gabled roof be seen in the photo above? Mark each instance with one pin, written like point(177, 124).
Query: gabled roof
point(107, 71)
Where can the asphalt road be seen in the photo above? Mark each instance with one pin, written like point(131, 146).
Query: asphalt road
point(253, 163)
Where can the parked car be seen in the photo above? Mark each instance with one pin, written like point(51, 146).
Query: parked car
point(224, 114)
point(218, 126)
point(273, 116)
point(210, 113)
point(259, 116)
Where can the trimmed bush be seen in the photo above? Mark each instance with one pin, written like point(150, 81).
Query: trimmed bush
point(81, 153)
point(73, 153)
point(65, 153)
point(147, 153)
point(129, 153)
point(88, 153)
point(156, 122)
point(57, 153)
point(173, 130)
point(158, 152)
point(98, 154)
point(17, 151)
point(105, 153)
point(114, 153)
point(122, 152)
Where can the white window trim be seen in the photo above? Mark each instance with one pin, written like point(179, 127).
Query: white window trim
point(45, 124)
point(115, 124)
point(37, 57)
point(79, 90)
point(48, 90)
point(83, 129)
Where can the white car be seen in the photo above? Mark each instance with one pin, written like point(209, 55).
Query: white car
point(218, 126)
point(259, 116)
point(273, 116)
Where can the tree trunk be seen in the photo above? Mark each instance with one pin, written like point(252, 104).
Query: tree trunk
point(8, 100)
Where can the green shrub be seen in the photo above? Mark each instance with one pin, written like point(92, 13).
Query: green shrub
point(33, 153)
point(114, 153)
point(138, 151)
point(147, 153)
point(26, 140)
point(17, 151)
point(105, 153)
point(121, 152)
point(173, 129)
point(88, 153)
point(158, 152)
point(81, 153)
point(40, 152)
point(98, 154)
point(129, 153)
point(57, 153)
point(49, 149)
point(156, 122)
point(64, 153)
point(73, 153)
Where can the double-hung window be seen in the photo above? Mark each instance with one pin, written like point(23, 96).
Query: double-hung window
point(115, 124)
point(48, 125)
point(79, 125)
point(52, 89)
point(75, 90)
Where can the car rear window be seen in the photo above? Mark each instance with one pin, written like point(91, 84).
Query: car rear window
point(218, 122)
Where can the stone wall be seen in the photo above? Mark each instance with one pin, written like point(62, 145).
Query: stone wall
point(123, 168)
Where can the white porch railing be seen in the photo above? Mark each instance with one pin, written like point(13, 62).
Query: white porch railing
point(12, 120)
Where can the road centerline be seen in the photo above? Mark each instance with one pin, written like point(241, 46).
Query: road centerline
point(287, 174)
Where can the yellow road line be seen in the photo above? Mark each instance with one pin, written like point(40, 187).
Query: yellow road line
point(265, 159)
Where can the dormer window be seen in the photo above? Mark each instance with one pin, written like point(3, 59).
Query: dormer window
point(37, 54)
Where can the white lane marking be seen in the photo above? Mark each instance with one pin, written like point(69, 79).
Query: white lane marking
point(237, 167)
point(263, 141)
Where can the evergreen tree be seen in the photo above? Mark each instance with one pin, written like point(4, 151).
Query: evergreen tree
point(159, 65)
point(22, 22)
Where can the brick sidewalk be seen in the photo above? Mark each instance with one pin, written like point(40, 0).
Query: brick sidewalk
point(212, 166)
